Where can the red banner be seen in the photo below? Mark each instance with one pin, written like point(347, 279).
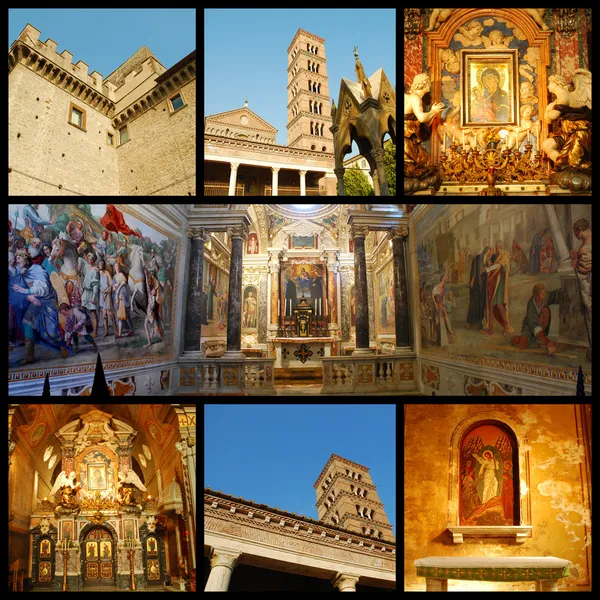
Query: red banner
point(114, 220)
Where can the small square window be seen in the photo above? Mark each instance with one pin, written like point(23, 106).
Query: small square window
point(177, 102)
point(123, 135)
point(110, 140)
point(76, 117)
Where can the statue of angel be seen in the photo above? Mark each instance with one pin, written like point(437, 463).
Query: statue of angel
point(438, 16)
point(573, 108)
point(63, 481)
point(538, 16)
point(131, 477)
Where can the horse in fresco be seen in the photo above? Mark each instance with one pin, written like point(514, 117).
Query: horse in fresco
point(137, 281)
point(66, 251)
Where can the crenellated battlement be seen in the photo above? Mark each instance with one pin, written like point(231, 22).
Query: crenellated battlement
point(31, 37)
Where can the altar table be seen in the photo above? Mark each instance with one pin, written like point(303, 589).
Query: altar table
point(544, 570)
point(302, 352)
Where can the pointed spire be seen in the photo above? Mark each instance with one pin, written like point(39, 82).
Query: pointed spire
point(100, 388)
point(46, 393)
point(360, 75)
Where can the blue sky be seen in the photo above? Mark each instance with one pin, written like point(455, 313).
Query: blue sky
point(273, 454)
point(110, 36)
point(245, 54)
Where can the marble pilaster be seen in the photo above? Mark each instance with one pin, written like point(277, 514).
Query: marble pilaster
point(359, 232)
point(401, 289)
point(234, 316)
point(68, 457)
point(193, 314)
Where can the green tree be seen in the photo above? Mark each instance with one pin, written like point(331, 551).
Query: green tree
point(356, 182)
point(389, 161)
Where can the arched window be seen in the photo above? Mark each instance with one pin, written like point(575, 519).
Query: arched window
point(312, 147)
point(310, 105)
point(321, 136)
point(308, 64)
point(489, 475)
point(317, 68)
point(308, 47)
point(324, 149)
point(309, 85)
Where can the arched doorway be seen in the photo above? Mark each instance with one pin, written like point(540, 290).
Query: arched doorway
point(98, 556)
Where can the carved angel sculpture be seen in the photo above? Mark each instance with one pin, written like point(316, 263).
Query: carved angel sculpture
point(131, 477)
point(62, 480)
point(538, 15)
point(573, 109)
point(438, 16)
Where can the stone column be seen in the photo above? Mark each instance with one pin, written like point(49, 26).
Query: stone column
point(375, 183)
point(234, 318)
point(378, 157)
point(358, 233)
point(399, 237)
point(339, 173)
point(193, 314)
point(345, 582)
point(275, 172)
point(233, 178)
point(562, 252)
point(302, 183)
point(275, 294)
point(222, 563)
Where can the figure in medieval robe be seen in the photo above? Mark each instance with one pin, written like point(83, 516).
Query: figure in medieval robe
point(581, 261)
point(416, 160)
point(478, 290)
point(518, 260)
point(497, 290)
point(291, 295)
point(507, 491)
point(536, 324)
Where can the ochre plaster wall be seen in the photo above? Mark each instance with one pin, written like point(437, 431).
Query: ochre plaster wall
point(554, 444)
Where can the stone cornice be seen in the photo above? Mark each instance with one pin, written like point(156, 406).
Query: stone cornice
point(58, 76)
point(344, 460)
point(240, 111)
point(275, 520)
point(157, 94)
point(325, 77)
point(310, 115)
point(272, 148)
point(343, 476)
point(312, 95)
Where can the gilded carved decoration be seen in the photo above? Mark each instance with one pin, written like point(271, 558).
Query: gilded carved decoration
point(412, 22)
point(359, 231)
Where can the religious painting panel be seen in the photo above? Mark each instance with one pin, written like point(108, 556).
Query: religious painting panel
point(252, 246)
point(128, 528)
point(153, 570)
point(91, 550)
point(96, 476)
point(88, 265)
point(250, 309)
point(489, 86)
point(67, 530)
point(105, 549)
point(385, 300)
point(304, 242)
point(491, 285)
point(304, 278)
point(151, 546)
point(215, 300)
point(38, 434)
point(489, 482)
point(45, 551)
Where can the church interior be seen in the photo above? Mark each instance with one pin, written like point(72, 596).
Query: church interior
point(299, 299)
point(96, 503)
point(498, 101)
point(502, 501)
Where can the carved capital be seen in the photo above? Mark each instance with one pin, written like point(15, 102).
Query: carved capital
point(359, 231)
point(339, 172)
point(198, 233)
point(237, 232)
point(399, 232)
point(345, 582)
point(223, 558)
point(377, 154)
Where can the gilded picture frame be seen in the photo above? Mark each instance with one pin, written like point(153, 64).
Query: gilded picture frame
point(96, 476)
point(489, 88)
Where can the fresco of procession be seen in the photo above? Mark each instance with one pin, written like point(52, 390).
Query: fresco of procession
point(85, 278)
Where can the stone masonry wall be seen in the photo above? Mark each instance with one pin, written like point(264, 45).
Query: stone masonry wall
point(89, 165)
point(160, 156)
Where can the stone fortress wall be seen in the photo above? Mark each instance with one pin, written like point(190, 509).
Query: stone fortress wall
point(50, 156)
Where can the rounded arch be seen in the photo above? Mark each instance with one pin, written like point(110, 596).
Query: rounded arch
point(516, 429)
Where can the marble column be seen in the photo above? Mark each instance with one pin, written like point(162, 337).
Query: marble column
point(399, 237)
point(238, 235)
point(275, 172)
point(339, 173)
point(193, 313)
point(222, 563)
point(275, 295)
point(375, 178)
point(558, 235)
point(378, 158)
point(233, 178)
point(345, 582)
point(68, 457)
point(302, 183)
point(359, 232)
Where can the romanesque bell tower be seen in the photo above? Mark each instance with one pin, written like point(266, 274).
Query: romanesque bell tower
point(309, 111)
point(347, 497)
